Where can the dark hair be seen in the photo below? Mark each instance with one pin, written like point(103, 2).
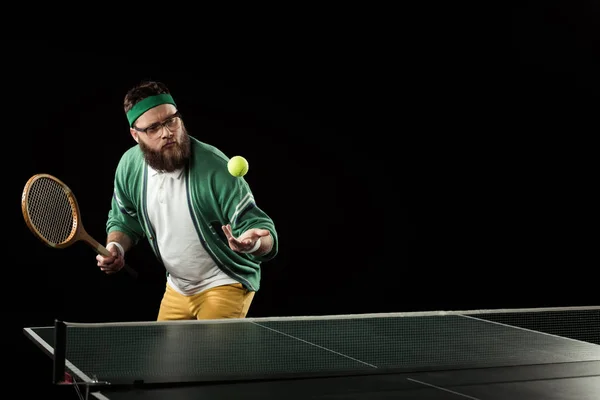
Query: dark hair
point(141, 91)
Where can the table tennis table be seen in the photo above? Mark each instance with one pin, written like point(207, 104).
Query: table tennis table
point(529, 354)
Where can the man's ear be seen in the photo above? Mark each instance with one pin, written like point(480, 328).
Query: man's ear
point(134, 134)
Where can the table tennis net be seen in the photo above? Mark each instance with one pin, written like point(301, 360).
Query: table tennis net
point(259, 348)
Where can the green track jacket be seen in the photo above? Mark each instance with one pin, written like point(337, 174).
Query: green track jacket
point(215, 198)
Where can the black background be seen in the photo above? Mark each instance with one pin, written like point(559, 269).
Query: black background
point(490, 145)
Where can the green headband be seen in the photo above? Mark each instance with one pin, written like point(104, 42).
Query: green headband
point(146, 104)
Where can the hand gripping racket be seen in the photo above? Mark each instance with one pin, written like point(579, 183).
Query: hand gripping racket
point(51, 212)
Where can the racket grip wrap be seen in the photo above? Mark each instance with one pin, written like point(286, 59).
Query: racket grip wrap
point(132, 273)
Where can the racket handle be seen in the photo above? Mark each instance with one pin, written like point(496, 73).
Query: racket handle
point(132, 273)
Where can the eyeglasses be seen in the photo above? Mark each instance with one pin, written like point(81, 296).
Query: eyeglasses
point(172, 123)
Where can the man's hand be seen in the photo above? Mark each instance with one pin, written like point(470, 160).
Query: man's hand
point(111, 264)
point(247, 241)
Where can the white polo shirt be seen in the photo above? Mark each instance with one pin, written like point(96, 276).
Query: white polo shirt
point(191, 269)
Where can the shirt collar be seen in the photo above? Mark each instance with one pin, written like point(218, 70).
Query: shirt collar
point(177, 174)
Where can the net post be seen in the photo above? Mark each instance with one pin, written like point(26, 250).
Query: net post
point(60, 340)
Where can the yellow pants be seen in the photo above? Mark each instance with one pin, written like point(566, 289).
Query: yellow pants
point(228, 301)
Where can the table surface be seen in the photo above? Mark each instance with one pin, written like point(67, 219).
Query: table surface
point(375, 357)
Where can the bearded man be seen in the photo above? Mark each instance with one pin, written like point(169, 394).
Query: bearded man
point(202, 223)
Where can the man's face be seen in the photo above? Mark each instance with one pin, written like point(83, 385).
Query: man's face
point(162, 138)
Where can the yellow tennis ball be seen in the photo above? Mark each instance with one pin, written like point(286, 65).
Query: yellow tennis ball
point(238, 166)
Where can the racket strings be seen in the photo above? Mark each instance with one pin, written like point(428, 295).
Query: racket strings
point(50, 210)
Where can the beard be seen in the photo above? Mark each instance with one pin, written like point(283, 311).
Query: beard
point(171, 158)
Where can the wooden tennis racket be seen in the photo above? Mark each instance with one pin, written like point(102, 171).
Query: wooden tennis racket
point(52, 213)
